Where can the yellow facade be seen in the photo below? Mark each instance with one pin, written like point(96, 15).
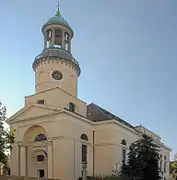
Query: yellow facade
point(48, 132)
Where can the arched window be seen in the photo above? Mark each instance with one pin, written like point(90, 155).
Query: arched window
point(84, 137)
point(58, 38)
point(40, 158)
point(48, 38)
point(40, 137)
point(66, 41)
point(71, 107)
point(84, 148)
point(123, 142)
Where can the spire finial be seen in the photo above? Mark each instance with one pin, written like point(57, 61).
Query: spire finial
point(58, 8)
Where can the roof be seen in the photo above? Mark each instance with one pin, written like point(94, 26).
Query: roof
point(55, 52)
point(59, 54)
point(96, 113)
point(57, 19)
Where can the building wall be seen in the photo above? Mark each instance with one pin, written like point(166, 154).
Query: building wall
point(165, 161)
point(108, 145)
point(63, 131)
point(44, 80)
point(59, 99)
point(14, 161)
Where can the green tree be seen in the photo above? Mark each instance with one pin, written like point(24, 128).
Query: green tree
point(143, 158)
point(173, 167)
point(10, 138)
point(3, 157)
point(6, 136)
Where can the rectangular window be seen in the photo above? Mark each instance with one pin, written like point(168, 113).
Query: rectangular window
point(84, 153)
point(160, 165)
point(123, 156)
point(58, 38)
point(165, 165)
point(41, 102)
point(49, 35)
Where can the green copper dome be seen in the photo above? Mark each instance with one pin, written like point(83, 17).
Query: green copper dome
point(58, 19)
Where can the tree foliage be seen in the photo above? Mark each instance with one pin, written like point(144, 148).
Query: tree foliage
point(3, 157)
point(6, 136)
point(173, 167)
point(143, 160)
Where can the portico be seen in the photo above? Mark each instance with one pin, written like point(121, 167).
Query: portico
point(35, 153)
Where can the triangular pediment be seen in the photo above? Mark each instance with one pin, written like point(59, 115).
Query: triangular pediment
point(32, 111)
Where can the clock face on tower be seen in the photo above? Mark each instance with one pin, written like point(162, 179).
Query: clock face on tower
point(57, 75)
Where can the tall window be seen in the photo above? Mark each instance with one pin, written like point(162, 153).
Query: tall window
point(66, 41)
point(84, 148)
point(123, 156)
point(160, 165)
point(40, 137)
point(49, 37)
point(160, 162)
point(58, 38)
point(165, 164)
point(49, 34)
point(84, 153)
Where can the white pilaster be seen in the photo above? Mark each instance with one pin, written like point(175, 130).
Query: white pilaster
point(50, 161)
point(22, 161)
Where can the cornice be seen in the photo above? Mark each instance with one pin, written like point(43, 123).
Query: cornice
point(54, 89)
point(47, 60)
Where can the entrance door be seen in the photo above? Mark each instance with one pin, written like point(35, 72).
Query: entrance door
point(41, 173)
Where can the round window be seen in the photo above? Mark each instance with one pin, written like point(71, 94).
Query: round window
point(57, 75)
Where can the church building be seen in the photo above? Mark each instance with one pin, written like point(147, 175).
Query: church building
point(57, 135)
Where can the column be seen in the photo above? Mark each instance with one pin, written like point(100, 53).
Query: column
point(50, 161)
point(26, 159)
point(53, 38)
point(22, 161)
point(63, 40)
point(69, 44)
point(18, 150)
point(45, 40)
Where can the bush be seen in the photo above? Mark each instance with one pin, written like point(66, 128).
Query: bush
point(106, 178)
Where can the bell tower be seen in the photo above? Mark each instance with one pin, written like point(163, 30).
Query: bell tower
point(55, 66)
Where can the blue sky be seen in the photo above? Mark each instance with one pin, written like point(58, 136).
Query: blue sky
point(127, 52)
